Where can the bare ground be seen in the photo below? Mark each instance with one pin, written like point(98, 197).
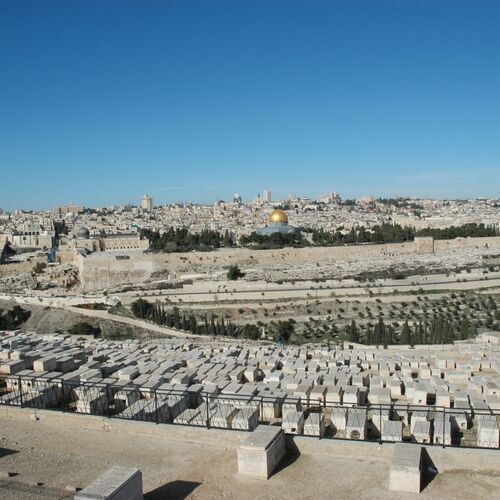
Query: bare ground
point(47, 457)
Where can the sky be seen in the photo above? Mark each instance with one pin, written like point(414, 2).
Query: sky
point(103, 101)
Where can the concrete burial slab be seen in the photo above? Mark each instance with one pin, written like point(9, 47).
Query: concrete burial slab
point(118, 483)
point(406, 468)
point(261, 452)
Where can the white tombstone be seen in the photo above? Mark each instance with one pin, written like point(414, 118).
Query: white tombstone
point(338, 419)
point(314, 425)
point(118, 483)
point(293, 422)
point(261, 452)
point(356, 425)
point(487, 432)
point(406, 468)
point(247, 418)
point(392, 431)
point(421, 432)
point(442, 430)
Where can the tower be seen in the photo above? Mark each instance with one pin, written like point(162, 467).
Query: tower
point(147, 203)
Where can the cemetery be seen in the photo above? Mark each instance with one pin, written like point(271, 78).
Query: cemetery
point(444, 395)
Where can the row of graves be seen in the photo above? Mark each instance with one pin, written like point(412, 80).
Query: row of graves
point(431, 397)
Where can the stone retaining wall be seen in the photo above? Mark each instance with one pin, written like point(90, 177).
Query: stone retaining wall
point(103, 270)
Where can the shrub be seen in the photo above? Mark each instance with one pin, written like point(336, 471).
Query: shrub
point(39, 267)
point(84, 329)
point(234, 273)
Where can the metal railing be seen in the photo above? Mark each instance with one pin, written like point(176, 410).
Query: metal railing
point(470, 426)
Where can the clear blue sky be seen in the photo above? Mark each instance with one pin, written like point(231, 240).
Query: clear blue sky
point(194, 100)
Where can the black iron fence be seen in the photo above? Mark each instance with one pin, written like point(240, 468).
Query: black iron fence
point(471, 426)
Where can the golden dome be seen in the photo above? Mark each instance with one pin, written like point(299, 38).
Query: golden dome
point(278, 216)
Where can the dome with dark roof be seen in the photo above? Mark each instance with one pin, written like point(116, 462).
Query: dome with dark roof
point(83, 232)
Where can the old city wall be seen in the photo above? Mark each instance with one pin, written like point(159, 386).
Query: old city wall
point(457, 243)
point(103, 270)
point(106, 270)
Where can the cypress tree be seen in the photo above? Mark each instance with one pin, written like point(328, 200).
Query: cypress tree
point(192, 324)
point(406, 334)
point(390, 335)
point(177, 319)
point(211, 329)
point(353, 332)
point(369, 336)
point(420, 333)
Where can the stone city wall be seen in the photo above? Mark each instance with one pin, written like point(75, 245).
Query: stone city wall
point(457, 243)
point(124, 243)
point(106, 270)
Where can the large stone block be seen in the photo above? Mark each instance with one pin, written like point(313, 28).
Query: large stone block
point(406, 468)
point(263, 450)
point(118, 483)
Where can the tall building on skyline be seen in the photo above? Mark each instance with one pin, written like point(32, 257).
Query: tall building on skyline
point(266, 196)
point(147, 202)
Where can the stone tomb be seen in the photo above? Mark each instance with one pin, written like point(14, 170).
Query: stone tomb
point(314, 425)
point(118, 483)
point(487, 432)
point(421, 432)
point(392, 431)
point(406, 468)
point(261, 452)
point(247, 418)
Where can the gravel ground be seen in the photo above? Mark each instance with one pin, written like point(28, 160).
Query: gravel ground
point(47, 457)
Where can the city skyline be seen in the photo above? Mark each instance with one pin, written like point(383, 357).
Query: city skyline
point(249, 249)
point(228, 199)
point(102, 102)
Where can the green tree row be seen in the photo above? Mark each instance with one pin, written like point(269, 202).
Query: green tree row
point(471, 230)
point(187, 321)
point(383, 233)
point(276, 240)
point(437, 330)
point(181, 240)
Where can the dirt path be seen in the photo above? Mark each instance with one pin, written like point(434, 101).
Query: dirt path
point(139, 323)
point(103, 315)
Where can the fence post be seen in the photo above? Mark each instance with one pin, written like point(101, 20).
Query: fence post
point(156, 408)
point(108, 397)
point(63, 399)
point(208, 410)
point(444, 425)
point(319, 421)
point(380, 421)
point(408, 417)
point(20, 390)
